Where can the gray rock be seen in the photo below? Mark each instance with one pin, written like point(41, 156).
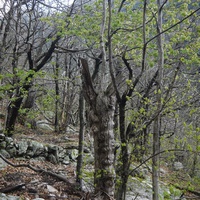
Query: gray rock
point(5, 153)
point(51, 189)
point(12, 151)
point(73, 154)
point(53, 153)
point(62, 153)
point(8, 197)
point(53, 159)
point(22, 147)
point(72, 130)
point(52, 148)
point(9, 141)
point(34, 148)
point(44, 125)
point(178, 166)
point(38, 148)
point(66, 160)
point(3, 145)
point(89, 159)
point(50, 114)
point(2, 137)
point(142, 188)
point(3, 164)
point(3, 196)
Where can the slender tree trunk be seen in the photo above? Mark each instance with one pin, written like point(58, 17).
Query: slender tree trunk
point(155, 159)
point(57, 94)
point(81, 140)
point(195, 156)
point(124, 169)
point(156, 128)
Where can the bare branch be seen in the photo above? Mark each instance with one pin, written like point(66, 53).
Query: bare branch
point(174, 25)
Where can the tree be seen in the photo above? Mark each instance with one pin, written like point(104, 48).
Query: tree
point(101, 116)
point(139, 80)
point(134, 59)
point(156, 127)
point(31, 49)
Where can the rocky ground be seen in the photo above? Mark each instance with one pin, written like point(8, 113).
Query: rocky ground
point(36, 174)
point(28, 184)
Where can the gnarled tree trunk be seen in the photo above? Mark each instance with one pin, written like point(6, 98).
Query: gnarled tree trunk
point(101, 115)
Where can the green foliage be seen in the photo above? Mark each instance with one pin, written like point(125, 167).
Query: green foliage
point(174, 191)
point(181, 47)
point(166, 195)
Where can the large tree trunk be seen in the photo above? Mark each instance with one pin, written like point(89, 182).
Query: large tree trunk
point(12, 113)
point(102, 126)
point(101, 115)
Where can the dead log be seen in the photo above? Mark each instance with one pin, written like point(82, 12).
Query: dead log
point(12, 188)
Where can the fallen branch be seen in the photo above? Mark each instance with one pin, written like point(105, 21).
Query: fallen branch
point(38, 170)
point(12, 188)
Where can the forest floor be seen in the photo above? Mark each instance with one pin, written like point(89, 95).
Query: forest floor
point(24, 182)
point(28, 184)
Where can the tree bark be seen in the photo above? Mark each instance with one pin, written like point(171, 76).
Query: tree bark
point(156, 127)
point(124, 169)
point(12, 113)
point(56, 71)
point(101, 115)
point(81, 140)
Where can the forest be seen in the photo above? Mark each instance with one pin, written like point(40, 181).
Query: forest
point(120, 77)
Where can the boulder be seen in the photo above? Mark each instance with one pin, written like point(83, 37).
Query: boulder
point(44, 125)
point(35, 149)
point(22, 147)
point(178, 166)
